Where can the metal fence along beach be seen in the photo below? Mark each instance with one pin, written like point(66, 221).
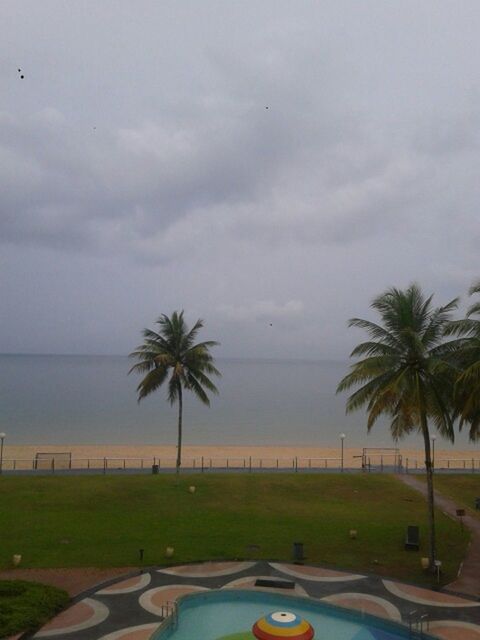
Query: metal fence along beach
point(367, 461)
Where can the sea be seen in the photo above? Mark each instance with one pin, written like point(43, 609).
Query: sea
point(62, 399)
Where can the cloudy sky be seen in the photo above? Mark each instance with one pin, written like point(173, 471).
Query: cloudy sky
point(268, 166)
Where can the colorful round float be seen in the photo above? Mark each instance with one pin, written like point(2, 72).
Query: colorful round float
point(282, 625)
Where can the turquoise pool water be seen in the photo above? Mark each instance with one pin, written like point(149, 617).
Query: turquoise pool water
point(216, 614)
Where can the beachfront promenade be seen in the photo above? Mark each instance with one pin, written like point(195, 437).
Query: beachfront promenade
point(366, 460)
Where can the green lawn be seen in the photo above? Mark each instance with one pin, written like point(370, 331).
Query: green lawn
point(25, 606)
point(104, 521)
point(463, 489)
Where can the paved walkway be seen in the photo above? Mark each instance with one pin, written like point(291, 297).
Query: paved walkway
point(468, 581)
point(74, 580)
point(132, 608)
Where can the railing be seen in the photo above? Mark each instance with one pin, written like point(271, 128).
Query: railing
point(417, 623)
point(169, 611)
point(201, 463)
point(205, 464)
point(455, 463)
point(444, 464)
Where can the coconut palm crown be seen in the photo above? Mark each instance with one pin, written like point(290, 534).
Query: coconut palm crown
point(405, 372)
point(171, 356)
point(467, 387)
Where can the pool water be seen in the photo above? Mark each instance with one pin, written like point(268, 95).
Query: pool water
point(216, 614)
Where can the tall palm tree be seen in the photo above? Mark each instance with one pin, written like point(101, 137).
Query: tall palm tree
point(467, 387)
point(172, 354)
point(405, 373)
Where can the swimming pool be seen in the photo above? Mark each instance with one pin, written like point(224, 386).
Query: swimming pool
point(216, 615)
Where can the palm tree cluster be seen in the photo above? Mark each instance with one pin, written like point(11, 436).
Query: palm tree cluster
point(420, 368)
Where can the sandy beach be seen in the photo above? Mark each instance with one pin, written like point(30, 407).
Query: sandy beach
point(134, 456)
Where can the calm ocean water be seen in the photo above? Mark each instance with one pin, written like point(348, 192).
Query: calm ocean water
point(91, 400)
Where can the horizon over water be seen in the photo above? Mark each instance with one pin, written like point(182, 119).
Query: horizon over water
point(90, 399)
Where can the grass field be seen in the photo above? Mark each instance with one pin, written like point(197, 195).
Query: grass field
point(463, 489)
point(104, 521)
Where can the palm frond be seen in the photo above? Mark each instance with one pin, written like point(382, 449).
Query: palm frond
point(473, 310)
point(383, 403)
point(466, 327)
point(363, 395)
point(164, 360)
point(401, 425)
point(151, 382)
point(195, 386)
point(376, 331)
point(373, 349)
point(173, 389)
point(189, 337)
point(436, 325)
point(365, 370)
point(203, 379)
point(142, 367)
point(475, 288)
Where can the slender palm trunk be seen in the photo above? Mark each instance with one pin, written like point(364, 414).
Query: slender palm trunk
point(430, 497)
point(179, 443)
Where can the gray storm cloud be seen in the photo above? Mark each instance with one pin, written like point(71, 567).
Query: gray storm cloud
point(246, 161)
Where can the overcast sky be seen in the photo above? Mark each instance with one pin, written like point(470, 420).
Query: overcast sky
point(268, 166)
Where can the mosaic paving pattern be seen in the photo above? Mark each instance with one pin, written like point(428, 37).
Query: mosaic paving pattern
point(248, 582)
point(83, 615)
point(455, 630)
point(207, 569)
point(366, 603)
point(316, 574)
point(154, 599)
point(131, 609)
point(140, 632)
point(127, 586)
point(425, 596)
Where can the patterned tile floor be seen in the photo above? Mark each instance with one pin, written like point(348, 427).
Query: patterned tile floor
point(131, 609)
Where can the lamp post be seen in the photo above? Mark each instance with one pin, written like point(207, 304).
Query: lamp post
point(342, 438)
point(2, 438)
point(433, 452)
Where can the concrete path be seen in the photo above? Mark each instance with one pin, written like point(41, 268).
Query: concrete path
point(468, 581)
point(74, 580)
